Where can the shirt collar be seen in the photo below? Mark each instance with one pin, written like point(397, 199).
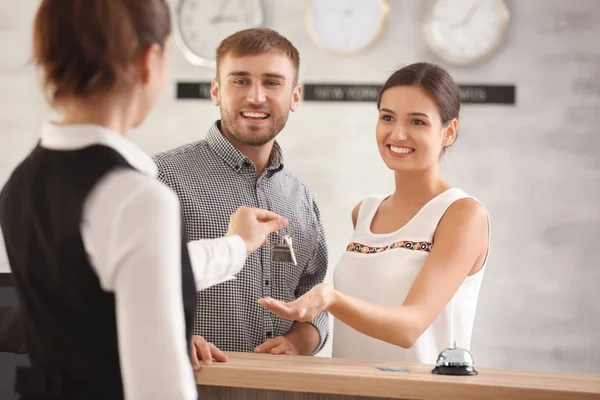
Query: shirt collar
point(235, 158)
point(78, 136)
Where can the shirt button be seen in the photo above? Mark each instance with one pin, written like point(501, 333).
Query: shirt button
point(269, 334)
point(267, 282)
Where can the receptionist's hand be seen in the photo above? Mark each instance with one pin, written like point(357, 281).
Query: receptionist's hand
point(254, 225)
point(204, 352)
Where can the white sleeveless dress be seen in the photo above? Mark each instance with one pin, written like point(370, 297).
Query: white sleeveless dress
point(381, 268)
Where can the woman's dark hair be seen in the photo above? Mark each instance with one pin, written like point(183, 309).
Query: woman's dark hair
point(435, 81)
point(85, 47)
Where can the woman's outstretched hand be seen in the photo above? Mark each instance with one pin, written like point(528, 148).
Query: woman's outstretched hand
point(305, 308)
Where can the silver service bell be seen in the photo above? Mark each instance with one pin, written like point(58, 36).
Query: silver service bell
point(454, 361)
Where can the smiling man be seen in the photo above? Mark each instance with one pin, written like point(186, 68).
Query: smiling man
point(239, 163)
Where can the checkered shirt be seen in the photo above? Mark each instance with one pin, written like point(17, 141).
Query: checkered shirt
point(213, 179)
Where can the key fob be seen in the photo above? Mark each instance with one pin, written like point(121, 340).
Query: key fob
point(284, 252)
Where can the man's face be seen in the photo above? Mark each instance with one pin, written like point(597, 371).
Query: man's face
point(255, 95)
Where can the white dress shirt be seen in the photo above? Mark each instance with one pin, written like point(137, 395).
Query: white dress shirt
point(131, 228)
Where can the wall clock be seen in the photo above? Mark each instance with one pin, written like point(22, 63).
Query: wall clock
point(346, 26)
point(202, 24)
point(466, 32)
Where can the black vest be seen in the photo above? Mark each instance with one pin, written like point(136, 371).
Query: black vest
point(68, 319)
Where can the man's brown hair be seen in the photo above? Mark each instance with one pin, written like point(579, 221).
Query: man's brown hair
point(85, 46)
point(255, 41)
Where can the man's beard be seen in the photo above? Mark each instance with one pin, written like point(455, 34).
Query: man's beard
point(252, 135)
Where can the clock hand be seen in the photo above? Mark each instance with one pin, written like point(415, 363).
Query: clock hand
point(224, 19)
point(469, 14)
point(219, 14)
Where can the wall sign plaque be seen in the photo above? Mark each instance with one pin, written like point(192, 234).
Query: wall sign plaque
point(345, 92)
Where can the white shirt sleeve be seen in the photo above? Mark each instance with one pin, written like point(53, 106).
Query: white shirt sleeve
point(217, 260)
point(131, 230)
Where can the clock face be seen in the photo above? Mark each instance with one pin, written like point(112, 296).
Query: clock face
point(203, 24)
point(346, 26)
point(465, 32)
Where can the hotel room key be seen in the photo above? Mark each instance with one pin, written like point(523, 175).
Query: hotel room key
point(284, 252)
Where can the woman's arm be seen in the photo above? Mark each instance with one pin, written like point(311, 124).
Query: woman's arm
point(216, 260)
point(461, 240)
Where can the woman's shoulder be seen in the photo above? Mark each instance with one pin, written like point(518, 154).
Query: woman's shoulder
point(126, 188)
point(355, 211)
point(461, 203)
point(465, 213)
point(467, 206)
point(365, 202)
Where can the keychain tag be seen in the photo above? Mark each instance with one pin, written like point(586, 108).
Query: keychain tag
point(284, 252)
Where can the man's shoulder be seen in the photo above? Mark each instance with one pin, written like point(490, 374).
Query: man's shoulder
point(291, 177)
point(180, 155)
point(293, 181)
point(181, 152)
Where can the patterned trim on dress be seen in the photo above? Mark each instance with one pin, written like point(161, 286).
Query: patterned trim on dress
point(405, 244)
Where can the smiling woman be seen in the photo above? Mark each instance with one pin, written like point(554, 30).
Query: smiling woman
point(408, 284)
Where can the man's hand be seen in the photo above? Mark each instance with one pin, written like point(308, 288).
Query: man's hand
point(253, 225)
point(277, 345)
point(204, 352)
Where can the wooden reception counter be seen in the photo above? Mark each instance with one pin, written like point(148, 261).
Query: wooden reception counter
point(265, 377)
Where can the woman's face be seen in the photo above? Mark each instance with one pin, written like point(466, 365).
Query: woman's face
point(410, 132)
